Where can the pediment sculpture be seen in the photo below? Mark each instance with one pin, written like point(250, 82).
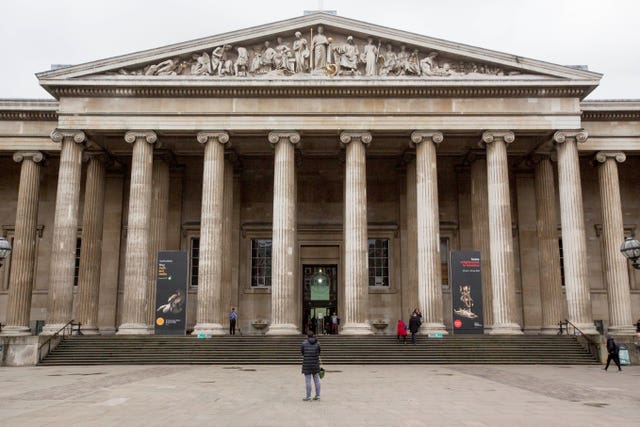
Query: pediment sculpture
point(319, 55)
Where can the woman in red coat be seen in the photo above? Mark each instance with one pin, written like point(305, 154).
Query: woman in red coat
point(402, 331)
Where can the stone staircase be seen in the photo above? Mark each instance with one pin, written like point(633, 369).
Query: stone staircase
point(269, 350)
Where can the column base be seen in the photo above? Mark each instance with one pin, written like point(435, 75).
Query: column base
point(89, 330)
point(209, 329)
point(15, 331)
point(506, 329)
point(613, 330)
point(51, 328)
point(133, 329)
point(107, 330)
point(283, 329)
point(356, 329)
point(550, 330)
point(433, 328)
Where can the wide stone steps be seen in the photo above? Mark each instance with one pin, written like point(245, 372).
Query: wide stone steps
point(97, 350)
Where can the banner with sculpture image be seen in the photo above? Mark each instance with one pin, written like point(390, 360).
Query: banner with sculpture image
point(466, 292)
point(171, 293)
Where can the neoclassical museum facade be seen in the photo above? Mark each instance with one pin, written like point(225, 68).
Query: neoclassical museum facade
point(318, 148)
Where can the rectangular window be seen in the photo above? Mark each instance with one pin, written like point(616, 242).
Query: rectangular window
point(194, 250)
point(260, 262)
point(444, 260)
point(561, 261)
point(76, 267)
point(378, 262)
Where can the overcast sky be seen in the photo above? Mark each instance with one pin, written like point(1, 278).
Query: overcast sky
point(604, 35)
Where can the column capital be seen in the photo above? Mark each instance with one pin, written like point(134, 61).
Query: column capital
point(363, 135)
point(602, 156)
point(419, 136)
point(490, 136)
point(148, 135)
point(579, 135)
point(77, 136)
point(35, 156)
point(277, 136)
point(219, 136)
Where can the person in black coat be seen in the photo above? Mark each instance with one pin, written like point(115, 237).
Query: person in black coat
point(414, 326)
point(310, 350)
point(612, 348)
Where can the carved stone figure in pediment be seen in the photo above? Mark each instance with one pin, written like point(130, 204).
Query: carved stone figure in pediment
point(256, 62)
point(202, 64)
point(370, 57)
point(320, 44)
point(268, 57)
point(301, 52)
point(430, 67)
point(220, 61)
point(390, 62)
point(169, 67)
point(242, 62)
point(348, 55)
point(284, 59)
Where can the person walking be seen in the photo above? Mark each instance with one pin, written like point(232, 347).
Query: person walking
point(310, 350)
point(233, 317)
point(414, 326)
point(402, 331)
point(613, 349)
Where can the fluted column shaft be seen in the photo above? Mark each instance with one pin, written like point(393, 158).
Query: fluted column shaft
point(480, 221)
point(356, 260)
point(412, 241)
point(615, 265)
point(158, 228)
point(23, 257)
point(428, 231)
point(500, 233)
point(549, 255)
point(135, 305)
point(65, 230)
point(283, 258)
point(573, 233)
point(91, 249)
point(227, 242)
point(210, 262)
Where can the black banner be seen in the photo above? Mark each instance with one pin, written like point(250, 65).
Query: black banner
point(466, 292)
point(171, 293)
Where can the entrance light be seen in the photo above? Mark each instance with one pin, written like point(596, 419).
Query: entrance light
point(631, 249)
point(5, 249)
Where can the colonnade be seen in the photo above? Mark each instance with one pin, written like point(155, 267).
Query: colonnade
point(147, 219)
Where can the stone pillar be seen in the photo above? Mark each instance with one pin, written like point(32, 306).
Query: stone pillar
point(411, 293)
point(573, 234)
point(135, 305)
point(91, 250)
point(549, 253)
point(480, 221)
point(65, 230)
point(283, 259)
point(615, 265)
point(428, 231)
point(211, 255)
point(158, 229)
point(23, 257)
point(500, 233)
point(356, 254)
point(227, 239)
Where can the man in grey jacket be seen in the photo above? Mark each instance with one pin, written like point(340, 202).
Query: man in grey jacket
point(310, 350)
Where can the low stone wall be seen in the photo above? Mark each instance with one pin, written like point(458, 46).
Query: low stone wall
point(23, 350)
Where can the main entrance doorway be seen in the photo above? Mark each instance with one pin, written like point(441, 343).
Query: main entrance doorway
point(319, 296)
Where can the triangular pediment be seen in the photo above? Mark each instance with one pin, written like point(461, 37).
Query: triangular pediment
point(296, 50)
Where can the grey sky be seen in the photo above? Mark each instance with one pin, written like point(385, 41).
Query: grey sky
point(601, 34)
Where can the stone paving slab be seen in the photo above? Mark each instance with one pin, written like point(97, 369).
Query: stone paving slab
point(371, 395)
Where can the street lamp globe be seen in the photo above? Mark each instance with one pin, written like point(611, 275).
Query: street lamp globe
point(631, 249)
point(5, 249)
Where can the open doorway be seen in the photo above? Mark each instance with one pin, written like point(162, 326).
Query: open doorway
point(319, 297)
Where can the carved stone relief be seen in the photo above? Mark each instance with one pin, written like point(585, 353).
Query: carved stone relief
point(315, 53)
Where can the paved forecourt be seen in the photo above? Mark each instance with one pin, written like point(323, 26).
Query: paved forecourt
point(373, 395)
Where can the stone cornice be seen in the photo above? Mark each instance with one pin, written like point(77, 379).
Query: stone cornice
point(28, 115)
point(606, 116)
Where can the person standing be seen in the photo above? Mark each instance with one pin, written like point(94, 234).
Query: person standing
point(310, 350)
point(233, 317)
point(402, 331)
point(414, 326)
point(613, 349)
point(335, 321)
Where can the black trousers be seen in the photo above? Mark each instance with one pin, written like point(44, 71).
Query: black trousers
point(232, 326)
point(616, 359)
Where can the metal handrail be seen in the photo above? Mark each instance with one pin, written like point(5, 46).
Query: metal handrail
point(70, 324)
point(591, 345)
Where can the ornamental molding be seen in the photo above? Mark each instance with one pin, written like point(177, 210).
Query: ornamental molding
point(28, 116)
point(602, 156)
point(606, 116)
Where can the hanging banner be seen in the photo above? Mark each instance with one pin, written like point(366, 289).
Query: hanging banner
point(171, 293)
point(466, 292)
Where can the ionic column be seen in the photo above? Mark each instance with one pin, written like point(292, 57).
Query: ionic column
point(283, 259)
point(573, 234)
point(91, 249)
point(65, 230)
point(23, 257)
point(356, 259)
point(210, 263)
point(500, 233)
point(428, 231)
point(480, 221)
point(549, 254)
point(411, 294)
point(135, 305)
point(615, 265)
point(227, 240)
point(158, 227)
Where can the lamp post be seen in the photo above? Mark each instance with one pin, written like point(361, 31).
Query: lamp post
point(631, 249)
point(5, 249)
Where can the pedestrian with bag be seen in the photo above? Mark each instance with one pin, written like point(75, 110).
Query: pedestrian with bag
point(401, 331)
point(414, 326)
point(310, 350)
point(613, 349)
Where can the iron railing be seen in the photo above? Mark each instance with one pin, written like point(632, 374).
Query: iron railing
point(66, 331)
point(568, 328)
